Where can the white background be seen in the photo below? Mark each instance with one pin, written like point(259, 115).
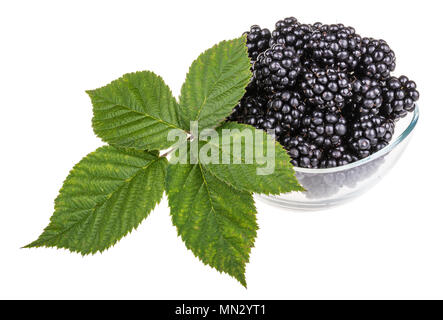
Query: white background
point(386, 244)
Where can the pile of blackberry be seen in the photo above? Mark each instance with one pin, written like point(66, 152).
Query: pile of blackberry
point(326, 93)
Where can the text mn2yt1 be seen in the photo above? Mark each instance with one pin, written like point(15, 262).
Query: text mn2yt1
point(229, 309)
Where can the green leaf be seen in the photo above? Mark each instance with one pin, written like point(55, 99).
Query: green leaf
point(276, 174)
point(106, 195)
point(215, 83)
point(135, 111)
point(216, 222)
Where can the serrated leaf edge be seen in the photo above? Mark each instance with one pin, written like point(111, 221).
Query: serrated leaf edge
point(218, 123)
point(35, 244)
point(178, 114)
point(297, 187)
point(254, 211)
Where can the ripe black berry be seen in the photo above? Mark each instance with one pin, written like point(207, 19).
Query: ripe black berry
point(367, 96)
point(324, 129)
point(303, 153)
point(276, 69)
point(400, 96)
point(378, 60)
point(295, 36)
point(370, 133)
point(290, 108)
point(326, 88)
point(325, 93)
point(337, 157)
point(257, 41)
point(250, 109)
point(335, 45)
point(284, 25)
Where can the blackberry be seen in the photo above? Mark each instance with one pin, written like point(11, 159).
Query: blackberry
point(276, 69)
point(326, 88)
point(400, 95)
point(236, 114)
point(378, 60)
point(295, 36)
point(303, 153)
point(271, 122)
point(274, 121)
point(326, 93)
point(370, 133)
point(324, 129)
point(367, 96)
point(335, 45)
point(250, 109)
point(337, 157)
point(257, 41)
point(284, 25)
point(290, 109)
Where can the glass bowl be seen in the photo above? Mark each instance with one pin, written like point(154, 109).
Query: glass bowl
point(326, 188)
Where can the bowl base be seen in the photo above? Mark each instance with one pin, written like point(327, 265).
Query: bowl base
point(319, 205)
point(303, 206)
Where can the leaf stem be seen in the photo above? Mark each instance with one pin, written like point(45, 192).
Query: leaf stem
point(171, 150)
point(168, 152)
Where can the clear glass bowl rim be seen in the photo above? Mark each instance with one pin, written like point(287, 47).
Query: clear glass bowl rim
point(381, 153)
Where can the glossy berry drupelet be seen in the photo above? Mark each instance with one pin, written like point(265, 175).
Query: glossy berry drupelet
point(276, 69)
point(273, 120)
point(399, 97)
point(284, 25)
point(378, 60)
point(326, 88)
point(250, 109)
point(369, 134)
point(257, 41)
point(303, 153)
point(295, 36)
point(367, 96)
point(337, 157)
point(289, 107)
point(335, 45)
point(324, 129)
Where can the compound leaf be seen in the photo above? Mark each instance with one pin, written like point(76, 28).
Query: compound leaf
point(106, 195)
point(136, 111)
point(216, 222)
point(215, 83)
point(256, 162)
